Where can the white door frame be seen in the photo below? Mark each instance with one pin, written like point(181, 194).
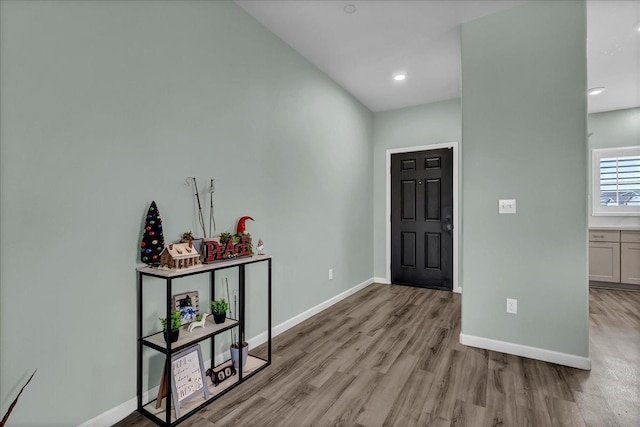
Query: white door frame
point(456, 205)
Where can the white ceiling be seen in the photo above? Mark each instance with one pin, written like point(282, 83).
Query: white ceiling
point(363, 50)
point(613, 54)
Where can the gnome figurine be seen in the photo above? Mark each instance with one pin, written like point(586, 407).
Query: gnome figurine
point(242, 228)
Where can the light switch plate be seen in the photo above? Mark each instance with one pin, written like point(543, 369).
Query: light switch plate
point(507, 206)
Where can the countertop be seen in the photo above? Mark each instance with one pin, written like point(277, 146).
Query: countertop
point(616, 227)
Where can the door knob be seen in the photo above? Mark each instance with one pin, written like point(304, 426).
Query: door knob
point(448, 226)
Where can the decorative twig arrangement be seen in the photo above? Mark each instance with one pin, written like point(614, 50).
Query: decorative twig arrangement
point(200, 216)
point(233, 335)
point(212, 220)
point(13, 404)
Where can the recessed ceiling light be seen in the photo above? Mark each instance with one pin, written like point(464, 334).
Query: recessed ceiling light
point(350, 8)
point(596, 90)
point(399, 77)
point(637, 27)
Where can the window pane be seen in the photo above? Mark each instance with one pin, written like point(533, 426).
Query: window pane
point(620, 181)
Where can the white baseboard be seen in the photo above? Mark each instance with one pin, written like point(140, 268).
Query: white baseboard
point(288, 324)
point(526, 351)
point(113, 415)
point(382, 280)
point(121, 411)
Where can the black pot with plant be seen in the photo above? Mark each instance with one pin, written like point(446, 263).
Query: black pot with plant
point(219, 310)
point(174, 333)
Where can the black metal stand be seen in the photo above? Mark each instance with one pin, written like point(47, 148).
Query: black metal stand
point(167, 350)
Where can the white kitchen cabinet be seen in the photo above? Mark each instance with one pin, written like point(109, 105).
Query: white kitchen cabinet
point(604, 261)
point(614, 256)
point(630, 257)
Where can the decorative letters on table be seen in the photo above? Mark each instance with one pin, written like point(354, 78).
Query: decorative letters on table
point(216, 251)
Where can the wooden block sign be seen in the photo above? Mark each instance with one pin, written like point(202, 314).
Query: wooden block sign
point(216, 251)
point(188, 379)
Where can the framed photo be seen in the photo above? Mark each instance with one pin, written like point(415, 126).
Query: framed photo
point(188, 304)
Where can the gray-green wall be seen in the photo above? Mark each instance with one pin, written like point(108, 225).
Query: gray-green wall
point(620, 128)
point(524, 137)
point(106, 106)
point(612, 129)
point(408, 127)
point(441, 122)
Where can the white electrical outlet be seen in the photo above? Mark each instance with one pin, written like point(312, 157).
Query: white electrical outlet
point(512, 306)
point(331, 274)
point(507, 206)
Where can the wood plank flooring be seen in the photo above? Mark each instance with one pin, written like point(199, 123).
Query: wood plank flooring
point(390, 356)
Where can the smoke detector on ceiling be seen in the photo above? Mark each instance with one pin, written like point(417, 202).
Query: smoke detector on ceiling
point(350, 8)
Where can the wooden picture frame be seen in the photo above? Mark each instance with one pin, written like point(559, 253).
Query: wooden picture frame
point(178, 301)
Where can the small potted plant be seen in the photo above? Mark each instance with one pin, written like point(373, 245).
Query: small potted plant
point(237, 345)
point(173, 335)
point(235, 352)
point(219, 310)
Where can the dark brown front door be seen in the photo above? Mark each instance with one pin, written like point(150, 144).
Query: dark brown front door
point(422, 219)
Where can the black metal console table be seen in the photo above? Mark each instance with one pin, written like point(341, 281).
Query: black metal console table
point(157, 342)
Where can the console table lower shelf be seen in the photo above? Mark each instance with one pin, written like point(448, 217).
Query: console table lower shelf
point(254, 364)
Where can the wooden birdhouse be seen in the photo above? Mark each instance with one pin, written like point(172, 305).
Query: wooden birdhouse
point(180, 255)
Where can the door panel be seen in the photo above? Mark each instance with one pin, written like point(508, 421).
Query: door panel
point(409, 200)
point(433, 250)
point(409, 165)
point(421, 213)
point(432, 199)
point(409, 250)
point(432, 163)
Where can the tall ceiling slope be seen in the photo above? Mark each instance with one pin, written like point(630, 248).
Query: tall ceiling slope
point(363, 50)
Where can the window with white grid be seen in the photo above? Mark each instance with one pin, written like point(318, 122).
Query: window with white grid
point(616, 181)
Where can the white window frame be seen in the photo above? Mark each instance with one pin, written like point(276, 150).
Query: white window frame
point(596, 155)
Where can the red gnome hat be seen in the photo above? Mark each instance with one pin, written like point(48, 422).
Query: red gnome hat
point(241, 227)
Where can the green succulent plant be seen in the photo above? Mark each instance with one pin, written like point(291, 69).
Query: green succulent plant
point(175, 321)
point(219, 306)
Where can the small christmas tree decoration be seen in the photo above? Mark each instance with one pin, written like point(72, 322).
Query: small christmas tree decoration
point(153, 240)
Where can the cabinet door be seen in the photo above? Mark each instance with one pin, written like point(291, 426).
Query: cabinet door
point(604, 261)
point(630, 263)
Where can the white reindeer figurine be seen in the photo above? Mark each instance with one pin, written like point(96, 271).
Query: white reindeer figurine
point(198, 324)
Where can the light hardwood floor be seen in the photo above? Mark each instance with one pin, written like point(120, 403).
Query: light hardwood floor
point(390, 356)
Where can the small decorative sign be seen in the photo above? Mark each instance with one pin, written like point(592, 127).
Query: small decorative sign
point(188, 378)
point(215, 250)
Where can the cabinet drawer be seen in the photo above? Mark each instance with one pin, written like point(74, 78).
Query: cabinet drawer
point(604, 235)
point(630, 236)
point(630, 263)
point(604, 261)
